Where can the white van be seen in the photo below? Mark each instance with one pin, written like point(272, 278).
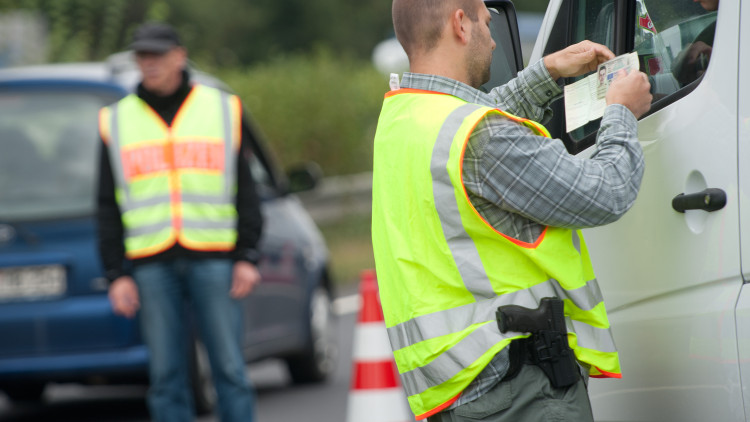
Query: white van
point(674, 269)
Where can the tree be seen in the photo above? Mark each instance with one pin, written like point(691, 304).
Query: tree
point(223, 33)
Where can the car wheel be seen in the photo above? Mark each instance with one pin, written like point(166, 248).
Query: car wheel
point(25, 392)
point(316, 362)
point(204, 392)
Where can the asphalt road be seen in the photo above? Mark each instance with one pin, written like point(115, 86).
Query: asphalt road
point(278, 400)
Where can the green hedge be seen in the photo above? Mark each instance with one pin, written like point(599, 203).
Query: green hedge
point(314, 107)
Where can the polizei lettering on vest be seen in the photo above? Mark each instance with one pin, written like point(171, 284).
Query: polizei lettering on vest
point(149, 159)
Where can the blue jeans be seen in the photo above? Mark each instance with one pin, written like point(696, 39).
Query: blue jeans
point(163, 289)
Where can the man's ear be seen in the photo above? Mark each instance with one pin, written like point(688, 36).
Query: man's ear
point(459, 25)
point(181, 55)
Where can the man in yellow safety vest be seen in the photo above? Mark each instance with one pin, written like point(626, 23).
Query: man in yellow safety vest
point(177, 201)
point(476, 208)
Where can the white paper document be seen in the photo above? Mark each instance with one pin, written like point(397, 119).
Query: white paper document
point(585, 99)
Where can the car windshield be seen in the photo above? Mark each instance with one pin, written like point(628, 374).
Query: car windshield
point(48, 152)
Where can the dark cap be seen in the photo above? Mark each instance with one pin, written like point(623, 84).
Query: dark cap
point(155, 38)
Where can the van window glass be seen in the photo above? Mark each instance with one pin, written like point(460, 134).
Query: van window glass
point(674, 39)
point(592, 20)
point(503, 59)
point(48, 152)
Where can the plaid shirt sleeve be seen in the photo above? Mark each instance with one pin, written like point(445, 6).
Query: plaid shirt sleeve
point(529, 94)
point(521, 182)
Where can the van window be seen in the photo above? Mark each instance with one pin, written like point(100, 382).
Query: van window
point(594, 20)
point(504, 65)
point(674, 39)
point(48, 152)
point(591, 20)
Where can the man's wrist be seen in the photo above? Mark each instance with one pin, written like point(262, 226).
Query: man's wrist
point(549, 63)
point(114, 274)
point(250, 255)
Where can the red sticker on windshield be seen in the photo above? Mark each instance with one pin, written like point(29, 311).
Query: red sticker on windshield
point(646, 23)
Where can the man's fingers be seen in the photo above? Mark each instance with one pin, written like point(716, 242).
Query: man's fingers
point(241, 289)
point(590, 55)
point(244, 278)
point(603, 53)
point(125, 306)
point(598, 51)
point(242, 286)
point(123, 295)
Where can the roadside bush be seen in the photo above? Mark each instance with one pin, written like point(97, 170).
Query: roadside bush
point(314, 107)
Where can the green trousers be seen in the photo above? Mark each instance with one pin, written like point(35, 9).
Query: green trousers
point(528, 397)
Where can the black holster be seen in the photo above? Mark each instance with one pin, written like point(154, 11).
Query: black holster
point(549, 350)
point(547, 347)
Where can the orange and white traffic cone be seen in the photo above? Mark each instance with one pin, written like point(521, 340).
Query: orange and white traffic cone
point(376, 394)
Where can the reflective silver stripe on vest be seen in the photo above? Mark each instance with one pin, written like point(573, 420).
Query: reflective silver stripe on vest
point(473, 346)
point(453, 360)
point(230, 164)
point(462, 247)
point(591, 337)
point(161, 199)
point(576, 241)
point(115, 156)
point(147, 228)
point(188, 224)
point(209, 225)
point(456, 319)
point(148, 202)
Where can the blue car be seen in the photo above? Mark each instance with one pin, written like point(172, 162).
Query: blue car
point(56, 323)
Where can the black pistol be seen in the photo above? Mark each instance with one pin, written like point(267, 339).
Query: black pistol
point(548, 345)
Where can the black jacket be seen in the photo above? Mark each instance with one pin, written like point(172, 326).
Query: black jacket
point(111, 242)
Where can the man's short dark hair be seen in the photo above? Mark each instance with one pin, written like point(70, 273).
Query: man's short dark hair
point(419, 23)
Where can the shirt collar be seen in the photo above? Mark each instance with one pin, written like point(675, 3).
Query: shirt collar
point(448, 86)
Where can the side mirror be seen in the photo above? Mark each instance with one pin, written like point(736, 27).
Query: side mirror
point(507, 59)
point(303, 177)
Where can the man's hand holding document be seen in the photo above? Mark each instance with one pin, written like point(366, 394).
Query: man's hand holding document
point(585, 99)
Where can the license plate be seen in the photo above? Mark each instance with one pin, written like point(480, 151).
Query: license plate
point(40, 281)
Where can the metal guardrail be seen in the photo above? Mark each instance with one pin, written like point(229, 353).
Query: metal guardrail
point(339, 196)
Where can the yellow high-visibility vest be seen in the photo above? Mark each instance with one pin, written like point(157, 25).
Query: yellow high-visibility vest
point(443, 270)
point(177, 183)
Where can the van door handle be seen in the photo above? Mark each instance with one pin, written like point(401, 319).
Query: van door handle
point(711, 199)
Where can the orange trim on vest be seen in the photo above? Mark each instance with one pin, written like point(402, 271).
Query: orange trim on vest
point(412, 91)
point(181, 111)
point(466, 196)
point(237, 127)
point(175, 193)
point(104, 125)
point(605, 374)
point(437, 409)
point(153, 250)
point(206, 246)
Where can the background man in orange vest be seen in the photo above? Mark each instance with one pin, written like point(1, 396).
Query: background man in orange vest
point(156, 285)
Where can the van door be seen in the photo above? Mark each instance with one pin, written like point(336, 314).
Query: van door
point(743, 305)
point(670, 268)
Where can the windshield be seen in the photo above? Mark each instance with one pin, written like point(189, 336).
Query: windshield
point(48, 152)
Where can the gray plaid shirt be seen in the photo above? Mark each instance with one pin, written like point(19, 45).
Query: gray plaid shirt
point(520, 182)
